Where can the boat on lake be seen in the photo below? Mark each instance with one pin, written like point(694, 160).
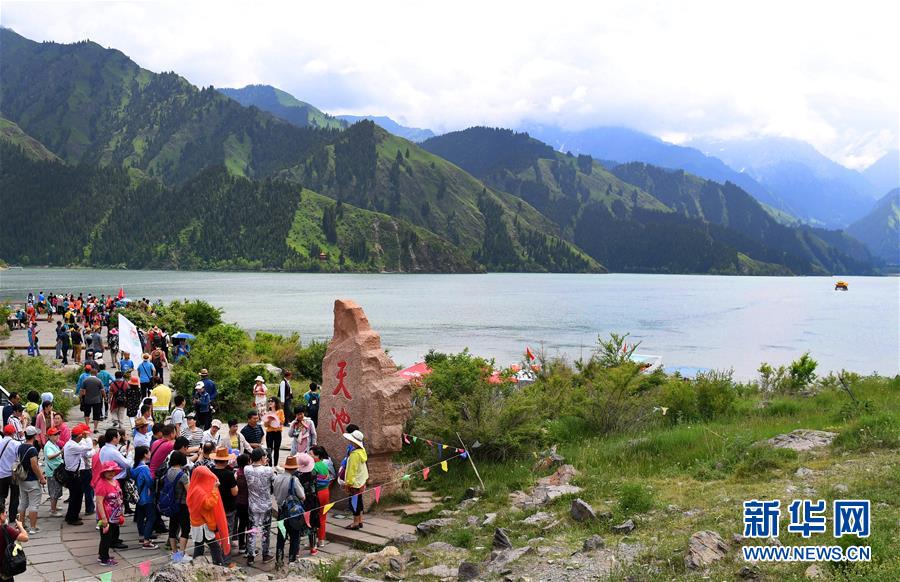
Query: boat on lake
point(841, 286)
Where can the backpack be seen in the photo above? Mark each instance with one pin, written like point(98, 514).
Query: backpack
point(62, 475)
point(19, 473)
point(119, 397)
point(291, 509)
point(168, 503)
point(312, 408)
point(14, 561)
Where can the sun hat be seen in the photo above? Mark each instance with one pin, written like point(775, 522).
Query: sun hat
point(221, 454)
point(47, 397)
point(355, 437)
point(109, 467)
point(204, 372)
point(31, 431)
point(134, 381)
point(140, 421)
point(146, 356)
point(9, 429)
point(291, 463)
point(259, 379)
point(216, 423)
point(305, 462)
point(52, 431)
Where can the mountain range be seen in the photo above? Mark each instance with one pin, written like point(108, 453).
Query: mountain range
point(254, 178)
point(880, 228)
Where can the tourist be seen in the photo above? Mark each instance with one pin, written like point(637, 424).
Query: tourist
point(133, 398)
point(118, 398)
point(109, 452)
point(177, 481)
point(77, 343)
point(106, 378)
point(30, 488)
point(112, 344)
point(273, 422)
point(260, 394)
point(146, 412)
point(214, 434)
point(9, 454)
point(302, 432)
point(209, 402)
point(194, 433)
point(228, 487)
point(108, 500)
point(237, 444)
point(205, 460)
point(159, 361)
point(64, 339)
point(12, 533)
point(182, 445)
point(145, 512)
point(126, 364)
point(13, 400)
point(91, 397)
point(160, 450)
point(161, 395)
point(285, 394)
point(142, 435)
point(325, 474)
point(61, 330)
point(32, 403)
point(18, 423)
point(33, 340)
point(209, 522)
point(60, 424)
point(311, 399)
point(202, 405)
point(53, 459)
point(179, 418)
point(252, 432)
point(356, 475)
point(259, 478)
point(241, 501)
point(43, 421)
point(289, 498)
point(97, 342)
point(76, 455)
point(307, 475)
point(146, 371)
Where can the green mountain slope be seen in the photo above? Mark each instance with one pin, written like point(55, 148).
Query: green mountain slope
point(372, 169)
point(880, 228)
point(202, 224)
point(94, 105)
point(284, 106)
point(12, 134)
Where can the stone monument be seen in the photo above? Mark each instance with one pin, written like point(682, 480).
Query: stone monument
point(360, 385)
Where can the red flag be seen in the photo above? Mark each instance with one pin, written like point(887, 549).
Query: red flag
point(406, 438)
point(120, 294)
point(425, 472)
point(306, 518)
point(377, 493)
point(529, 354)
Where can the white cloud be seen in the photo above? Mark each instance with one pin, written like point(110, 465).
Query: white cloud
point(824, 72)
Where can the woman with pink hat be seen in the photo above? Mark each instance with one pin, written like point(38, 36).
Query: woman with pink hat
point(109, 508)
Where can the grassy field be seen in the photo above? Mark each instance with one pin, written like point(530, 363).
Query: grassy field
point(676, 479)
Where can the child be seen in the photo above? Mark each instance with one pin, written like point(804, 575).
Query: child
point(52, 460)
point(108, 501)
point(145, 514)
point(325, 474)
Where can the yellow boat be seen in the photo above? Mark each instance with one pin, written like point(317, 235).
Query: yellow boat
point(841, 286)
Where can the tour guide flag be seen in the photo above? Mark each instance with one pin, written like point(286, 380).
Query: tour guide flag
point(106, 577)
point(128, 339)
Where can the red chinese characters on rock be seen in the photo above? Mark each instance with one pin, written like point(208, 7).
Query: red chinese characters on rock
point(339, 420)
point(341, 388)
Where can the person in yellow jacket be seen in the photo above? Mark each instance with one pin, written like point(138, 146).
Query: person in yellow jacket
point(356, 475)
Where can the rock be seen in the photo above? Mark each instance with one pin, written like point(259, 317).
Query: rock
point(550, 525)
point(372, 568)
point(582, 511)
point(356, 578)
point(467, 503)
point(773, 542)
point(272, 369)
point(803, 473)
point(439, 571)
point(443, 547)
point(802, 440)
point(489, 519)
point(395, 564)
point(376, 561)
point(468, 571)
point(814, 571)
point(433, 525)
point(472, 492)
point(737, 539)
point(539, 518)
point(841, 488)
point(404, 539)
point(594, 542)
point(562, 476)
point(446, 513)
point(501, 540)
point(472, 521)
point(625, 527)
point(500, 559)
point(360, 381)
point(548, 459)
point(392, 576)
point(748, 573)
point(704, 548)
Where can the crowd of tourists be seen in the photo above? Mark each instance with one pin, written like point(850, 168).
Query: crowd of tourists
point(170, 466)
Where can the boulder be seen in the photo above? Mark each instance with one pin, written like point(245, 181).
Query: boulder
point(468, 503)
point(376, 561)
point(548, 459)
point(704, 548)
point(439, 571)
point(472, 521)
point(433, 525)
point(404, 539)
point(594, 542)
point(804, 472)
point(501, 558)
point(473, 492)
point(501, 540)
point(802, 439)
point(539, 518)
point(562, 476)
point(468, 571)
point(360, 385)
point(625, 527)
point(489, 519)
point(748, 573)
point(814, 571)
point(582, 511)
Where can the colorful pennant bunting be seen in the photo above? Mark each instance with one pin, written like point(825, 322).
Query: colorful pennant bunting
point(281, 530)
point(105, 577)
point(327, 508)
point(144, 568)
point(377, 493)
point(425, 472)
point(444, 466)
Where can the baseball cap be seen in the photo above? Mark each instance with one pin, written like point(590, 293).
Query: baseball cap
point(31, 431)
point(216, 423)
point(191, 415)
point(9, 430)
point(52, 430)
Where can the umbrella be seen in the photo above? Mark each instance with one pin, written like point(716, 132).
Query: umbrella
point(184, 335)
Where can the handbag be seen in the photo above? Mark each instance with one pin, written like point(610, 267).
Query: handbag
point(62, 475)
point(14, 561)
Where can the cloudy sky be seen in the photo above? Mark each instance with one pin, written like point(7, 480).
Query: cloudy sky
point(825, 72)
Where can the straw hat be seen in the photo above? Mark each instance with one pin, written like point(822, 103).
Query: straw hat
point(140, 421)
point(146, 356)
point(355, 437)
point(290, 464)
point(259, 379)
point(204, 372)
point(221, 454)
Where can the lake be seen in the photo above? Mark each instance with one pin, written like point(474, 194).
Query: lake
point(689, 320)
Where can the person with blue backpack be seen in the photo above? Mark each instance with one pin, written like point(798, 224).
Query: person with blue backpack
point(289, 498)
point(173, 504)
point(146, 372)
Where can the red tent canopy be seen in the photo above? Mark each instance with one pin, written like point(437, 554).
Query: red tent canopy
point(415, 371)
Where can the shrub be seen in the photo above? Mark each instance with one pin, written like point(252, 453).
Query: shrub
point(869, 433)
point(635, 498)
point(680, 398)
point(802, 371)
point(309, 360)
point(616, 399)
point(715, 394)
point(279, 350)
point(613, 352)
point(198, 315)
point(797, 376)
point(760, 460)
point(782, 407)
point(22, 374)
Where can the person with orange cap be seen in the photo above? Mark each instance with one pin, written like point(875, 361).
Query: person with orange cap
point(209, 524)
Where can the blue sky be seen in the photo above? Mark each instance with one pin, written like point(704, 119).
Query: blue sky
point(823, 72)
